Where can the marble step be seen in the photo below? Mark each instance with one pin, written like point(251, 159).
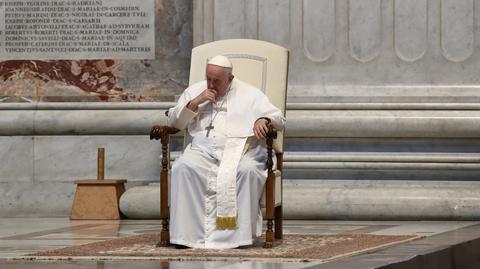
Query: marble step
point(406, 157)
point(376, 160)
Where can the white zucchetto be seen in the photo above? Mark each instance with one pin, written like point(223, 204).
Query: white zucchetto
point(221, 60)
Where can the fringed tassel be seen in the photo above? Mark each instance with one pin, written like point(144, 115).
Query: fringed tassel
point(226, 223)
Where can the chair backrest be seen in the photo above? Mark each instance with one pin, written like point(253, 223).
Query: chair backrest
point(259, 63)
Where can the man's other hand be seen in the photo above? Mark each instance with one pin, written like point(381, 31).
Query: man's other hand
point(260, 128)
point(207, 95)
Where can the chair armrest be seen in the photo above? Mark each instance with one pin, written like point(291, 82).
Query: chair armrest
point(162, 131)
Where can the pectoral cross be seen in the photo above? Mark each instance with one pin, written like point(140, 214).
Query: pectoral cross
point(208, 128)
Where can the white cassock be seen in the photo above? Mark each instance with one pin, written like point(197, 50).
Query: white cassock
point(200, 195)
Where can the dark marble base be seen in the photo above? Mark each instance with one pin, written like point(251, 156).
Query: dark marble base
point(457, 249)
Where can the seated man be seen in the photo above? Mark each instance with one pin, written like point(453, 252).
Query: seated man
point(217, 183)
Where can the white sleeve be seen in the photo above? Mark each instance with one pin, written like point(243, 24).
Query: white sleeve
point(268, 110)
point(180, 116)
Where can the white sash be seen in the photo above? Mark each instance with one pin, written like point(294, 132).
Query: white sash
point(227, 183)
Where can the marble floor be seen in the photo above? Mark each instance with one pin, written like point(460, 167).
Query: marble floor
point(20, 236)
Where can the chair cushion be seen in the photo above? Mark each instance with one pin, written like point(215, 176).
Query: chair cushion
point(278, 190)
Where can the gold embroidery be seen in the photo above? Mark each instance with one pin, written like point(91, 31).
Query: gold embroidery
point(226, 223)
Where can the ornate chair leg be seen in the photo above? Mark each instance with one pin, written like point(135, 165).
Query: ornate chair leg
point(270, 210)
point(163, 134)
point(278, 222)
point(269, 236)
point(164, 214)
point(164, 235)
point(270, 189)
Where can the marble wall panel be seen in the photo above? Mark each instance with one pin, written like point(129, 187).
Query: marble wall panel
point(24, 199)
point(16, 158)
point(397, 51)
point(365, 29)
point(251, 29)
point(110, 80)
point(228, 22)
point(410, 29)
point(67, 158)
point(319, 29)
point(457, 34)
point(274, 21)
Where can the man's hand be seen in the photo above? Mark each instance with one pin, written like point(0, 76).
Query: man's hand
point(260, 128)
point(207, 95)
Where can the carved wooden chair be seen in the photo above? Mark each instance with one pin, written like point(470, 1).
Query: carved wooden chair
point(264, 65)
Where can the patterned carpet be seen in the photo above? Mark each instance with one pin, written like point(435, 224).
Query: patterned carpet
point(294, 247)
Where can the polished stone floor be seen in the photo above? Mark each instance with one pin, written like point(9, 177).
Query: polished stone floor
point(20, 236)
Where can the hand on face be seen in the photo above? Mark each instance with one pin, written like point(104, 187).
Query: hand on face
point(260, 129)
point(218, 80)
point(208, 95)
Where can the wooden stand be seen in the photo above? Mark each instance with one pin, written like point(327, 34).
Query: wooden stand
point(98, 199)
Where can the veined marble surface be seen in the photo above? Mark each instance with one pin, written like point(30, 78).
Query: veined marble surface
point(109, 80)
